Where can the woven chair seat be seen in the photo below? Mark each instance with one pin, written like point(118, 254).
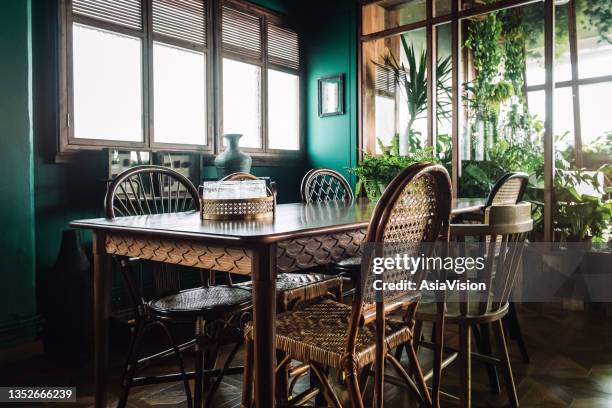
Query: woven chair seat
point(213, 299)
point(291, 281)
point(318, 333)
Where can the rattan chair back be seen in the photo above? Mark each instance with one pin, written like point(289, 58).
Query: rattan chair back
point(323, 185)
point(414, 209)
point(509, 189)
point(502, 238)
point(146, 190)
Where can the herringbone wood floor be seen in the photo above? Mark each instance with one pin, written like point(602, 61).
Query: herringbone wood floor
point(571, 366)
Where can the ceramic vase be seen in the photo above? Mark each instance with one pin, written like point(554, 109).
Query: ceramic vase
point(232, 160)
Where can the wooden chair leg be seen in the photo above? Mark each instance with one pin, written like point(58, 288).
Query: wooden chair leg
point(416, 335)
point(131, 368)
point(282, 380)
point(199, 363)
point(465, 374)
point(505, 359)
point(438, 340)
point(353, 386)
point(135, 333)
point(363, 378)
point(515, 332)
point(247, 378)
point(398, 352)
point(328, 392)
point(484, 347)
point(179, 359)
point(415, 368)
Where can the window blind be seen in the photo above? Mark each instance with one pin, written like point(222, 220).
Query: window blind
point(127, 13)
point(283, 47)
point(241, 33)
point(181, 19)
point(385, 81)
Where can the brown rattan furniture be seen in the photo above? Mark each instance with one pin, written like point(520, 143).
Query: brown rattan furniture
point(322, 185)
point(502, 237)
point(294, 288)
point(300, 237)
point(214, 311)
point(415, 208)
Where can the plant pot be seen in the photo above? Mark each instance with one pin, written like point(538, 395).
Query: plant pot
point(581, 242)
point(232, 160)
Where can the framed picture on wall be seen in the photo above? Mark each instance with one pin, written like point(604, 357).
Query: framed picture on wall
point(331, 95)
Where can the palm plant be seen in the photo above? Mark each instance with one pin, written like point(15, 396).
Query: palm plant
point(412, 82)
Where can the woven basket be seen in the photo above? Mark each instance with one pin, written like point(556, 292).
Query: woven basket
point(239, 208)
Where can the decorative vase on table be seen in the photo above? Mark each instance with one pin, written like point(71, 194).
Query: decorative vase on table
point(232, 160)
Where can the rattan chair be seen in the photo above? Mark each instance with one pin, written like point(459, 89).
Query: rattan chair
point(502, 237)
point(214, 311)
point(322, 185)
point(295, 288)
point(415, 208)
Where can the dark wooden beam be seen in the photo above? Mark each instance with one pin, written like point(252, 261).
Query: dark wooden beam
point(456, 98)
point(573, 41)
point(437, 20)
point(549, 129)
point(432, 57)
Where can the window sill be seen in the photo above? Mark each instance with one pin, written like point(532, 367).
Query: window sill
point(277, 158)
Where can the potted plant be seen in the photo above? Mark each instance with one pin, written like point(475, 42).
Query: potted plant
point(375, 172)
point(411, 80)
point(582, 214)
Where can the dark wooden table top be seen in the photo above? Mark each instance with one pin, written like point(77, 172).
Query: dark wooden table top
point(291, 220)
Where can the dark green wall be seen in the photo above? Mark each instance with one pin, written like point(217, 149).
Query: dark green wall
point(73, 190)
point(40, 197)
point(18, 298)
point(330, 48)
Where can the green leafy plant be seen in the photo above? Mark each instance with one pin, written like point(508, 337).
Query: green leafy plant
point(412, 82)
point(580, 215)
point(374, 172)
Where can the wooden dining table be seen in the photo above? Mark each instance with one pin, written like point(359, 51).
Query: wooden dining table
point(299, 237)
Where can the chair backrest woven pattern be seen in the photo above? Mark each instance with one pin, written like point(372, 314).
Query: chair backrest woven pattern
point(322, 185)
point(414, 209)
point(508, 190)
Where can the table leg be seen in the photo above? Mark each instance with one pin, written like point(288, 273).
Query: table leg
point(264, 314)
point(102, 287)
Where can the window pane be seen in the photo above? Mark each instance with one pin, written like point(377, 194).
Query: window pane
point(107, 85)
point(241, 101)
point(385, 120)
point(564, 113)
point(594, 47)
point(595, 117)
point(534, 33)
point(179, 95)
point(283, 110)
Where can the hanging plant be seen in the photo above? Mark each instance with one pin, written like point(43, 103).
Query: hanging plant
point(598, 14)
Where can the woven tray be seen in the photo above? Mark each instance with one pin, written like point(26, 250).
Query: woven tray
point(239, 208)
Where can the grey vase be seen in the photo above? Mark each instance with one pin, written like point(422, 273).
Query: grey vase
point(232, 160)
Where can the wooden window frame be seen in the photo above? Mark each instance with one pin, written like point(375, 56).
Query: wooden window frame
point(265, 16)
point(455, 18)
point(214, 82)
